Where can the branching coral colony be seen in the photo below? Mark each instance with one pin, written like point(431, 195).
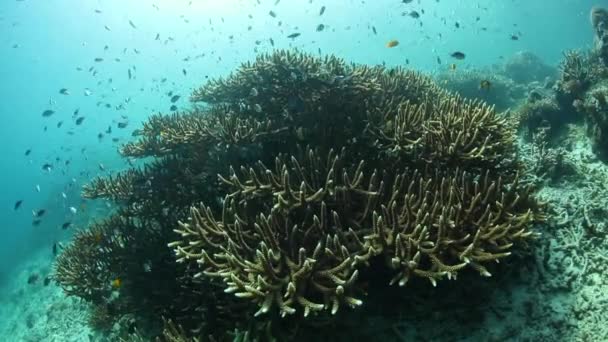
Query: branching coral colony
point(296, 174)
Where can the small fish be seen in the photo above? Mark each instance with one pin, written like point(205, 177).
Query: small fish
point(320, 27)
point(406, 1)
point(47, 167)
point(157, 36)
point(392, 43)
point(48, 113)
point(173, 108)
point(257, 108)
point(294, 35)
point(64, 91)
point(184, 72)
point(116, 283)
point(174, 98)
point(63, 193)
point(79, 120)
point(47, 281)
point(98, 59)
point(18, 204)
point(107, 28)
point(132, 25)
point(73, 210)
point(322, 10)
point(457, 24)
point(485, 85)
point(59, 124)
point(66, 225)
point(453, 67)
point(374, 30)
point(271, 42)
point(101, 167)
point(122, 124)
point(39, 213)
point(32, 279)
point(87, 92)
point(514, 37)
point(54, 248)
point(414, 14)
point(272, 14)
point(458, 55)
point(28, 151)
point(253, 92)
point(36, 222)
point(37, 188)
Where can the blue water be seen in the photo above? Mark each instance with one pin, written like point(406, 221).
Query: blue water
point(42, 44)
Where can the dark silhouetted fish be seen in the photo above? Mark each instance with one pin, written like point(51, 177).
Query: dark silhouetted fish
point(322, 10)
point(458, 55)
point(39, 213)
point(28, 151)
point(66, 225)
point(80, 120)
point(48, 113)
point(294, 35)
point(32, 279)
point(174, 98)
point(18, 204)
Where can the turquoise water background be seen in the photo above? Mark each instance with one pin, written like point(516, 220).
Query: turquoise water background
point(42, 44)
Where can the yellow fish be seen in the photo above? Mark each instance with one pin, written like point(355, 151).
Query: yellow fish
point(392, 43)
point(116, 283)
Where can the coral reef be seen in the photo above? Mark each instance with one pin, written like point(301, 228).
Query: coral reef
point(300, 179)
point(505, 86)
point(599, 21)
point(526, 67)
point(503, 92)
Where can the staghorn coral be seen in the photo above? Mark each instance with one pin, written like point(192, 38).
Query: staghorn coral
point(298, 251)
point(430, 227)
point(399, 177)
point(434, 226)
point(449, 132)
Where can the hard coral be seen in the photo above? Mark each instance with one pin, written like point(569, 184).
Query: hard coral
point(599, 21)
point(328, 171)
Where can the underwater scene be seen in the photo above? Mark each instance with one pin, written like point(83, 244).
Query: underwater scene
point(304, 170)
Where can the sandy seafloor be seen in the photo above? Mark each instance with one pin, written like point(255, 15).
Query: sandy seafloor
point(559, 291)
point(34, 312)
